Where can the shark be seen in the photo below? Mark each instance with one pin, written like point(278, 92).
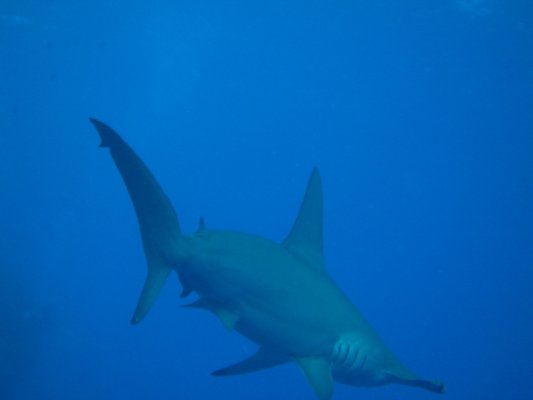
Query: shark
point(278, 295)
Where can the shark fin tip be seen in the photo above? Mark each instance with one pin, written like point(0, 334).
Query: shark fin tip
point(201, 226)
point(440, 387)
point(107, 135)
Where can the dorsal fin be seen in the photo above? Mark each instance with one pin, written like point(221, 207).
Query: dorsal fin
point(305, 237)
point(201, 226)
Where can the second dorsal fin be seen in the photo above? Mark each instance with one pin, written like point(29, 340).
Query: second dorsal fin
point(201, 226)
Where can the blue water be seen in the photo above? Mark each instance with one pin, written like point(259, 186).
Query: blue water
point(418, 114)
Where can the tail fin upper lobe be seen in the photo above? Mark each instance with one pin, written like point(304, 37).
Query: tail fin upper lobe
point(157, 219)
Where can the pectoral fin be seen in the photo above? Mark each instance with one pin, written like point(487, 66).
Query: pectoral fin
point(263, 359)
point(227, 317)
point(318, 374)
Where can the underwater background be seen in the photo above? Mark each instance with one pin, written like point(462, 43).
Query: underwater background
point(418, 114)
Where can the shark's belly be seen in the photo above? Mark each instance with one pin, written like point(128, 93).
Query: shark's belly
point(276, 299)
point(294, 338)
point(289, 320)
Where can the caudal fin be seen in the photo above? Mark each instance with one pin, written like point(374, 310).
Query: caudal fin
point(157, 219)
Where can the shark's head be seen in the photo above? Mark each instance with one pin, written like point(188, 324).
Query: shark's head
point(357, 362)
point(354, 362)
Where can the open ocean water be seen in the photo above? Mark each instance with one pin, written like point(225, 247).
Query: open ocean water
point(419, 115)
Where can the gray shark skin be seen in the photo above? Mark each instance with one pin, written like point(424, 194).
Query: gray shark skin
point(277, 295)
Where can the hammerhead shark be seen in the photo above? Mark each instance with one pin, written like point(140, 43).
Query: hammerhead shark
point(277, 295)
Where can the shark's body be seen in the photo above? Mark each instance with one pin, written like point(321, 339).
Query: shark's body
point(277, 295)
